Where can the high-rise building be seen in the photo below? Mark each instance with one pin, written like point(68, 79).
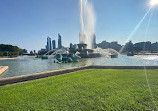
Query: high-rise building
point(49, 44)
point(53, 44)
point(59, 41)
point(71, 45)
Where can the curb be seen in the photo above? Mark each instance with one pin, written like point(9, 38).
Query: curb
point(23, 78)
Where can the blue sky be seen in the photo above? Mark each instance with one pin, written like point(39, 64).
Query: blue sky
point(27, 23)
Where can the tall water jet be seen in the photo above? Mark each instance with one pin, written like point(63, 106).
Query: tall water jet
point(87, 19)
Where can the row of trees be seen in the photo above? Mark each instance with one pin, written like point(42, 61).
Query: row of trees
point(130, 47)
point(11, 51)
point(141, 46)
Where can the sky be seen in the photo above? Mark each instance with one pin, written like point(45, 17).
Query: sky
point(27, 23)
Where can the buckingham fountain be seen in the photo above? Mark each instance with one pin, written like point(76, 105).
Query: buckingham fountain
point(87, 47)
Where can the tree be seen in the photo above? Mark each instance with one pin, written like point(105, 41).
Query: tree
point(9, 50)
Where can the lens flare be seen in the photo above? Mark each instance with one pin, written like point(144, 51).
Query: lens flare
point(153, 2)
point(135, 29)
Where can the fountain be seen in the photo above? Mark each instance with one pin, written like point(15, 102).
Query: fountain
point(87, 38)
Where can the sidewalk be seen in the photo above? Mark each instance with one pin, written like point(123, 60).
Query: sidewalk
point(3, 69)
point(7, 58)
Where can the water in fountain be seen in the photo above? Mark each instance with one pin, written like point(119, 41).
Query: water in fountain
point(87, 19)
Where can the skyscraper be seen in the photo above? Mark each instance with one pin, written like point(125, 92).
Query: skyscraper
point(49, 44)
point(71, 45)
point(53, 44)
point(59, 41)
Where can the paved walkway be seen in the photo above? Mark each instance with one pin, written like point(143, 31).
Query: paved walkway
point(7, 58)
point(3, 69)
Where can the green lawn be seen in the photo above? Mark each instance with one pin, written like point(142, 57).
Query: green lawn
point(93, 89)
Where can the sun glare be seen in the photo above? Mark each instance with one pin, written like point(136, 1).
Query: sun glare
point(153, 2)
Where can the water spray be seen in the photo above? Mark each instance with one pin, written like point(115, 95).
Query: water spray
point(87, 19)
point(81, 15)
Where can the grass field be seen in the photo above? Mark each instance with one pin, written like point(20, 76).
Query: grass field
point(93, 89)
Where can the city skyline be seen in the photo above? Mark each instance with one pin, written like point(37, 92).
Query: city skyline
point(24, 22)
point(51, 44)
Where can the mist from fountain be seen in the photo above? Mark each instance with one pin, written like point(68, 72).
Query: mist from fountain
point(105, 52)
